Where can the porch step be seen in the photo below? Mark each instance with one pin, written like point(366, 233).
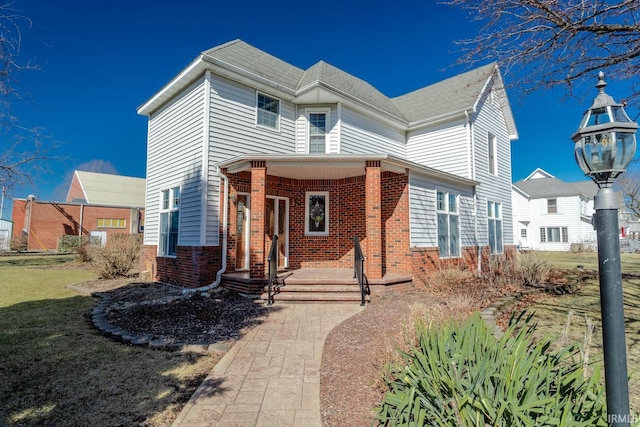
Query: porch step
point(301, 293)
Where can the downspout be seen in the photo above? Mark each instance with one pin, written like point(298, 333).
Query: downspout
point(475, 192)
point(225, 221)
point(81, 220)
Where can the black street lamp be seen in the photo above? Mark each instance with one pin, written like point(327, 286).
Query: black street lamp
point(605, 144)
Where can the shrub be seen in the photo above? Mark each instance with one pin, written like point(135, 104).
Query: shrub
point(534, 270)
point(117, 258)
point(461, 374)
point(502, 271)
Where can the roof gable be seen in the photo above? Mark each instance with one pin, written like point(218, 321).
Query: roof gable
point(111, 190)
point(550, 187)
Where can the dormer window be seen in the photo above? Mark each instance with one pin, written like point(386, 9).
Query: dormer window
point(268, 114)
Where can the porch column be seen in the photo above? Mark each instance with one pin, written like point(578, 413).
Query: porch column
point(373, 263)
point(257, 258)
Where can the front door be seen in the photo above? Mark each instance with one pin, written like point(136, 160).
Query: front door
point(242, 232)
point(276, 223)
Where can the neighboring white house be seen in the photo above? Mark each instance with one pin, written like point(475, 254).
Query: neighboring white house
point(550, 214)
point(243, 147)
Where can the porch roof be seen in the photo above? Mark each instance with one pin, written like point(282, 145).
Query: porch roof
point(335, 166)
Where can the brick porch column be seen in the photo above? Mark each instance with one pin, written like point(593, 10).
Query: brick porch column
point(257, 258)
point(373, 250)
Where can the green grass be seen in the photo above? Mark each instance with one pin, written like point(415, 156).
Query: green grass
point(58, 370)
point(553, 314)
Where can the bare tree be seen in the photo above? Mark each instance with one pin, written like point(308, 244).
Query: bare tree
point(629, 185)
point(22, 148)
point(550, 43)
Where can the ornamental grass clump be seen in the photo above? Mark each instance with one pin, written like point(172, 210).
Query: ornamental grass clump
point(118, 258)
point(460, 374)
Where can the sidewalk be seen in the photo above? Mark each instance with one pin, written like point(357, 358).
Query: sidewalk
point(271, 377)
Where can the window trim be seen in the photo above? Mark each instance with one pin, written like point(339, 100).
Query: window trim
point(563, 234)
point(110, 221)
point(327, 113)
point(172, 205)
point(307, 214)
point(555, 206)
point(276, 127)
point(445, 209)
point(494, 213)
point(492, 153)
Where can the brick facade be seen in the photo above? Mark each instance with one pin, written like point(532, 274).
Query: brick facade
point(192, 267)
point(46, 222)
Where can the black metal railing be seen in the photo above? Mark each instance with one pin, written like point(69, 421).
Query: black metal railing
point(273, 269)
point(358, 269)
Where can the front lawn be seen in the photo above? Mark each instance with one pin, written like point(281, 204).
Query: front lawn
point(58, 370)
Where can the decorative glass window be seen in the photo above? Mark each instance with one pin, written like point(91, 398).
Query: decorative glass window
point(494, 227)
point(554, 235)
point(318, 125)
point(493, 158)
point(316, 221)
point(552, 205)
point(268, 111)
point(448, 225)
point(112, 223)
point(169, 220)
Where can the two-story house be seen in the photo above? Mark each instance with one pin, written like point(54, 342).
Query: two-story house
point(550, 214)
point(243, 146)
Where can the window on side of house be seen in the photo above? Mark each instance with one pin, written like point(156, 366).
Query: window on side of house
point(448, 224)
point(492, 150)
point(268, 111)
point(523, 233)
point(316, 216)
point(169, 220)
point(554, 234)
point(552, 205)
point(317, 132)
point(494, 227)
point(111, 223)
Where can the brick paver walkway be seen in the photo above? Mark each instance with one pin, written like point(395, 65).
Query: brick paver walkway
point(271, 377)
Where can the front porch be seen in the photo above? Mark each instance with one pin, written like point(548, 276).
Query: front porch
point(316, 285)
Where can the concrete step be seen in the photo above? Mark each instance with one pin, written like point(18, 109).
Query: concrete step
point(291, 293)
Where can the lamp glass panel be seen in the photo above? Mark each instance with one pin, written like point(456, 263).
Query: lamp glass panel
point(619, 115)
point(598, 116)
point(625, 149)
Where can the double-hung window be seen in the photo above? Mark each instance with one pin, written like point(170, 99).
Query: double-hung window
point(318, 125)
point(494, 227)
point(448, 224)
point(268, 111)
point(552, 205)
point(169, 220)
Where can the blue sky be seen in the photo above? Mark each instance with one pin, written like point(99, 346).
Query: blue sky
point(101, 60)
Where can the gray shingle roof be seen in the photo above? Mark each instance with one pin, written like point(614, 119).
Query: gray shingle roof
point(553, 187)
point(453, 95)
point(458, 93)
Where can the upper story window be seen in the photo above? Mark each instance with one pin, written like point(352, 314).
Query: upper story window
point(317, 135)
point(584, 203)
point(552, 205)
point(268, 111)
point(492, 150)
point(494, 227)
point(448, 224)
point(169, 216)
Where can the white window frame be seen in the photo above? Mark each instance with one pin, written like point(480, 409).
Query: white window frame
point(494, 216)
point(308, 211)
point(546, 234)
point(554, 204)
point(327, 114)
point(449, 213)
point(169, 206)
point(492, 153)
point(260, 122)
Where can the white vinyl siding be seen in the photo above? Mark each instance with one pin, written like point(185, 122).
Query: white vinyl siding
point(423, 216)
point(495, 188)
point(174, 158)
point(362, 135)
point(332, 136)
point(444, 147)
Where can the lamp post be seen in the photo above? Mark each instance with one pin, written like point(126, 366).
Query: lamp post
point(604, 145)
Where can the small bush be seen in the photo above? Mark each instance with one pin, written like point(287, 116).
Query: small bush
point(449, 279)
point(19, 243)
point(502, 271)
point(461, 374)
point(534, 270)
point(117, 258)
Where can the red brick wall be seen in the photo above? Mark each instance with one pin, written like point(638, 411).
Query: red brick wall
point(75, 190)
point(49, 221)
point(397, 257)
point(18, 217)
point(192, 267)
